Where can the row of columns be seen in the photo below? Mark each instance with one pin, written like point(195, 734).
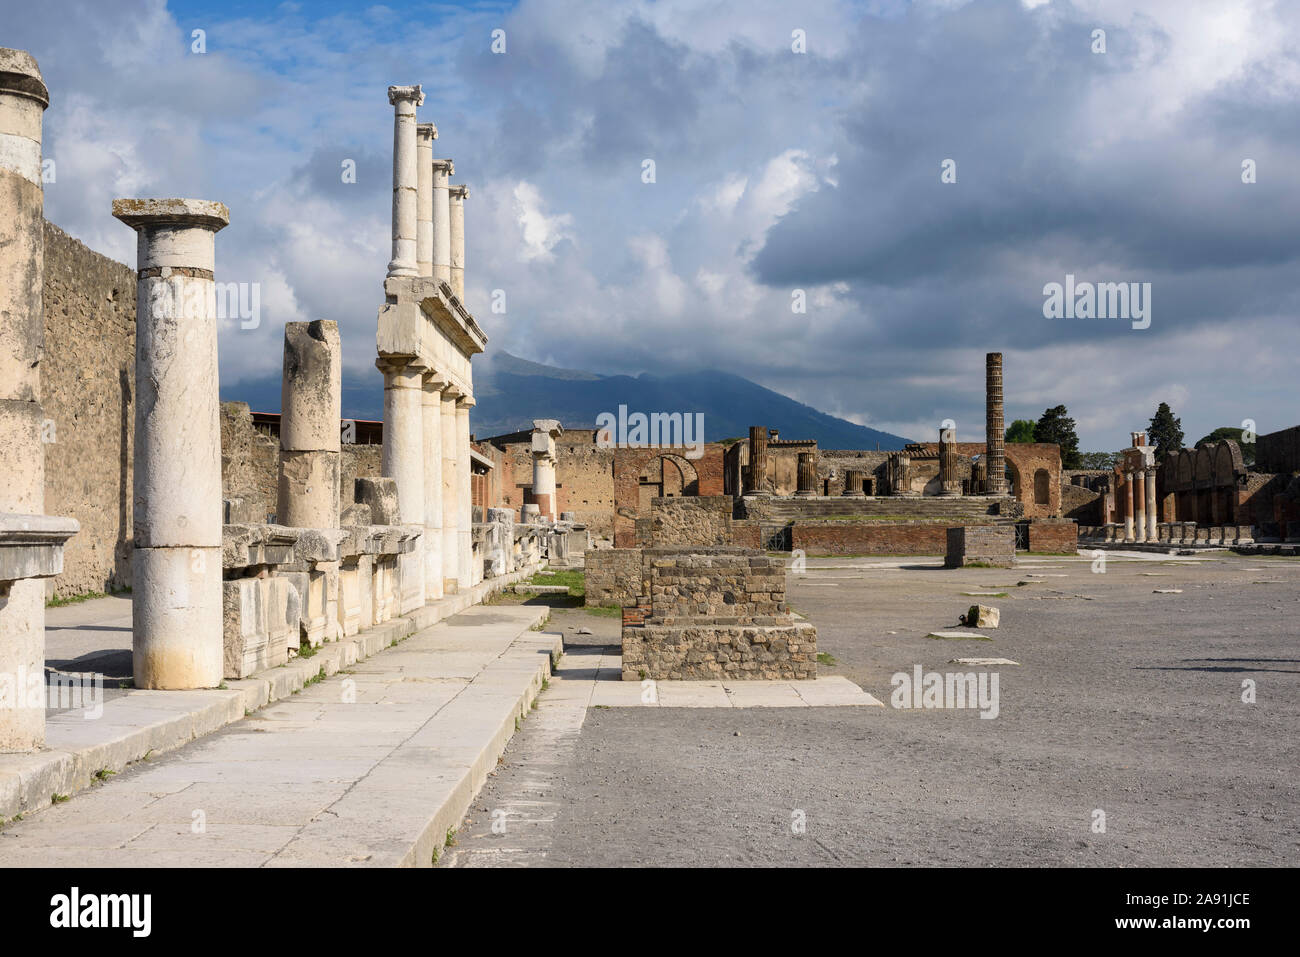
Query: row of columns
point(1140, 512)
point(426, 417)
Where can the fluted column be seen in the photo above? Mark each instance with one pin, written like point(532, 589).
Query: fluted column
point(450, 494)
point(176, 563)
point(1128, 506)
point(949, 482)
point(853, 480)
point(1152, 517)
point(425, 134)
point(311, 397)
point(807, 474)
point(405, 178)
point(756, 481)
point(994, 434)
point(442, 171)
point(431, 409)
point(464, 497)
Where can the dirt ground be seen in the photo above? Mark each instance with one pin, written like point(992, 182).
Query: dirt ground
point(1124, 702)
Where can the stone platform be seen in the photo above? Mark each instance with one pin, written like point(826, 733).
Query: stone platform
point(371, 767)
point(136, 723)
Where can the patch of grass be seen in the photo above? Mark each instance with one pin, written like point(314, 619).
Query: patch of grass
point(451, 838)
point(996, 594)
point(574, 579)
point(125, 684)
point(103, 774)
point(823, 658)
point(83, 597)
point(601, 707)
point(436, 854)
point(604, 611)
point(546, 683)
point(318, 677)
point(59, 798)
point(307, 651)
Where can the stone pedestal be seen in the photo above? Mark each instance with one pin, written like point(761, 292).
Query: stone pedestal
point(176, 564)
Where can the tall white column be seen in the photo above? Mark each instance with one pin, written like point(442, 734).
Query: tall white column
point(458, 195)
point(1152, 516)
point(402, 458)
point(1139, 506)
point(431, 408)
point(176, 564)
point(405, 178)
point(465, 495)
point(442, 171)
point(450, 493)
point(425, 134)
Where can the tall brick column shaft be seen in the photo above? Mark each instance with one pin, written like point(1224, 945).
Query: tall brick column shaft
point(757, 459)
point(995, 430)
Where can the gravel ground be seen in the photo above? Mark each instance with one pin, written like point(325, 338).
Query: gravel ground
point(1124, 701)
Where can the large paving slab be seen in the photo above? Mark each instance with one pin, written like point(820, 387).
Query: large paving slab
point(373, 766)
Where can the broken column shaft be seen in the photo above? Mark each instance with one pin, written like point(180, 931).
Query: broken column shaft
point(949, 481)
point(176, 563)
point(311, 399)
point(807, 474)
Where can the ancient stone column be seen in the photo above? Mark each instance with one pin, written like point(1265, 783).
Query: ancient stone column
point(458, 195)
point(545, 432)
point(1139, 500)
point(176, 564)
point(442, 171)
point(311, 401)
point(949, 481)
point(994, 433)
point(757, 475)
point(402, 459)
point(405, 178)
point(431, 407)
point(425, 134)
point(464, 494)
point(1152, 515)
point(450, 494)
point(1128, 506)
point(807, 474)
point(853, 482)
point(23, 99)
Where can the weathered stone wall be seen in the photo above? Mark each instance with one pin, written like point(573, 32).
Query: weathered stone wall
point(1274, 452)
point(613, 576)
point(709, 613)
point(1053, 535)
point(833, 464)
point(701, 476)
point(250, 462)
point(870, 538)
point(1081, 504)
point(584, 477)
point(699, 520)
point(88, 384)
point(981, 545)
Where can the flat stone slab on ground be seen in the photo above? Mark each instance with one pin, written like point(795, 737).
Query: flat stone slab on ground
point(958, 634)
point(982, 662)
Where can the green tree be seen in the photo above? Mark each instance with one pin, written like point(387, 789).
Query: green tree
point(1165, 431)
point(1097, 460)
point(1021, 430)
point(1234, 433)
point(1057, 427)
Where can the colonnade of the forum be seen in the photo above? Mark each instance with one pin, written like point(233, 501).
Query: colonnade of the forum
point(1137, 499)
point(425, 341)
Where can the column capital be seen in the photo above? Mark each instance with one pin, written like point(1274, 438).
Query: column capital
point(20, 76)
point(400, 365)
point(402, 94)
point(141, 214)
point(444, 166)
point(452, 392)
point(465, 402)
point(425, 132)
point(460, 192)
point(435, 381)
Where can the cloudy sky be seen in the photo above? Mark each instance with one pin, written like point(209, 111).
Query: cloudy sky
point(775, 171)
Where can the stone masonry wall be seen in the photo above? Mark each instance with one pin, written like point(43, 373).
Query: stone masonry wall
point(981, 545)
point(869, 538)
point(613, 576)
point(88, 384)
point(1051, 535)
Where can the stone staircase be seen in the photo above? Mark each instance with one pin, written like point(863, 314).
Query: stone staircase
point(776, 514)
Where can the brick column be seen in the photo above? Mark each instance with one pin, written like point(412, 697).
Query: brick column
point(176, 564)
point(994, 433)
point(1128, 506)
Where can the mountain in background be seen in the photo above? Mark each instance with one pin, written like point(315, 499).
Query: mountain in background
point(511, 392)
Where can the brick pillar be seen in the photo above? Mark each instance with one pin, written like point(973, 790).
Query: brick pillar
point(1128, 506)
point(1140, 506)
point(994, 429)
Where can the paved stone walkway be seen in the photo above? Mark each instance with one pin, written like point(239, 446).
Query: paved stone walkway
point(370, 767)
